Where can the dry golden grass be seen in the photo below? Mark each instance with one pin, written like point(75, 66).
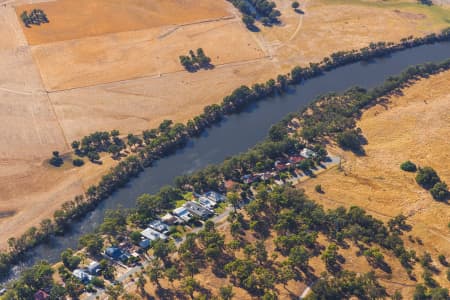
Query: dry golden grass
point(84, 18)
point(152, 52)
point(414, 126)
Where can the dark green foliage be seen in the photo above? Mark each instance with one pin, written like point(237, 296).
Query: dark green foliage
point(249, 21)
point(93, 243)
point(425, 2)
point(56, 160)
point(77, 162)
point(70, 260)
point(265, 9)
point(36, 17)
point(427, 177)
point(350, 140)
point(193, 62)
point(295, 5)
point(440, 191)
point(348, 285)
point(408, 166)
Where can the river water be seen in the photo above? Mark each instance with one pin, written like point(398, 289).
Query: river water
point(239, 132)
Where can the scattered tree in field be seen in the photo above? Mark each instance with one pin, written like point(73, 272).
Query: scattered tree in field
point(193, 62)
point(295, 5)
point(427, 177)
point(408, 166)
point(78, 162)
point(440, 191)
point(425, 2)
point(350, 140)
point(36, 17)
point(318, 189)
point(56, 160)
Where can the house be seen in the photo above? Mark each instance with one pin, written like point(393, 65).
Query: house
point(307, 153)
point(249, 178)
point(281, 166)
point(39, 295)
point(214, 196)
point(113, 252)
point(144, 243)
point(182, 213)
point(153, 235)
point(83, 276)
point(198, 210)
point(265, 176)
point(206, 203)
point(93, 268)
point(295, 159)
point(159, 226)
point(2, 291)
point(169, 219)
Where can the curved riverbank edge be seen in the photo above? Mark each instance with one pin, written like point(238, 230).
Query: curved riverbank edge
point(167, 144)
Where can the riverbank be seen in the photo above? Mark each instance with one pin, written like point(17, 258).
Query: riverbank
point(40, 122)
point(124, 197)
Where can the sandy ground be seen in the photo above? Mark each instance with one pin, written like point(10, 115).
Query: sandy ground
point(415, 127)
point(109, 78)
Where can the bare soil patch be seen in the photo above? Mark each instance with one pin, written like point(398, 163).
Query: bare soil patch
point(79, 19)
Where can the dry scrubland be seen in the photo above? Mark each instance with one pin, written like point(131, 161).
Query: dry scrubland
point(414, 126)
point(101, 65)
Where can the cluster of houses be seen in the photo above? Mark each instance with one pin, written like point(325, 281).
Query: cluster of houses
point(201, 207)
point(280, 165)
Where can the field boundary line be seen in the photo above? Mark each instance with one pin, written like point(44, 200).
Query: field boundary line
point(157, 75)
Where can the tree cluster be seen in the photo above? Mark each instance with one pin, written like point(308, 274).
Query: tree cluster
point(263, 10)
point(36, 17)
point(429, 179)
point(195, 61)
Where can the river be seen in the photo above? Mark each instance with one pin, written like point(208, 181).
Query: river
point(239, 132)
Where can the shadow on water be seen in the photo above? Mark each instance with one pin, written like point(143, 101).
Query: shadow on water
point(239, 132)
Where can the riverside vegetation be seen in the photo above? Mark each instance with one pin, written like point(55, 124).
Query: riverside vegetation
point(166, 139)
point(265, 211)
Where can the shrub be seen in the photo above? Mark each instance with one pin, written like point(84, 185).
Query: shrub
point(318, 188)
point(349, 139)
point(97, 282)
point(295, 5)
point(408, 166)
point(56, 160)
point(427, 177)
point(440, 191)
point(77, 162)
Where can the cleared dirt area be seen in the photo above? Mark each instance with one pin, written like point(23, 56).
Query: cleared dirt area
point(79, 19)
point(414, 126)
point(136, 52)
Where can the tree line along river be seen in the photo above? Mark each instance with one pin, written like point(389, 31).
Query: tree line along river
point(236, 133)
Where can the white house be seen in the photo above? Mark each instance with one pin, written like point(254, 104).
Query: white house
point(182, 213)
point(307, 153)
point(82, 275)
point(153, 235)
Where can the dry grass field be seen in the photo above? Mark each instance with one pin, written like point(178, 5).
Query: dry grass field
point(102, 65)
point(414, 126)
point(71, 20)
